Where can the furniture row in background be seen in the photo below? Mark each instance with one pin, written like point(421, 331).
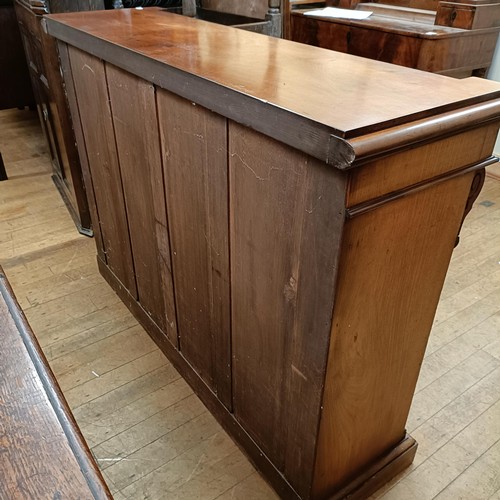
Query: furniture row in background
point(456, 39)
point(451, 37)
point(46, 80)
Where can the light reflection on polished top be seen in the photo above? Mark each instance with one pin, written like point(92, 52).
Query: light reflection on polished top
point(349, 94)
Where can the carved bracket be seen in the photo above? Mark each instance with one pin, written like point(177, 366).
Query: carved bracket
point(475, 189)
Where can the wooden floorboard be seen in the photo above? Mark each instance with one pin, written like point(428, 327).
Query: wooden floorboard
point(152, 436)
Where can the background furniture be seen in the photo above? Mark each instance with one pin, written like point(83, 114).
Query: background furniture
point(281, 222)
point(15, 85)
point(43, 452)
point(454, 38)
point(43, 62)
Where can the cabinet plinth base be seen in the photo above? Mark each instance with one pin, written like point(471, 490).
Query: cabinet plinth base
point(380, 472)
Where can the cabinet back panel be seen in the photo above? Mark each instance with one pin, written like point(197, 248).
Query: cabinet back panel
point(194, 148)
point(286, 223)
point(135, 123)
point(93, 102)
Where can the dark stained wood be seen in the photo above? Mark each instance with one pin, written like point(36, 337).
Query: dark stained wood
point(194, 143)
point(468, 14)
point(279, 258)
point(93, 105)
point(209, 398)
point(43, 452)
point(69, 175)
point(82, 152)
point(42, 57)
point(15, 85)
point(135, 124)
point(74, 5)
point(397, 33)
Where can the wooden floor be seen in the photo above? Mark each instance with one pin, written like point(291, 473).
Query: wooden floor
point(152, 436)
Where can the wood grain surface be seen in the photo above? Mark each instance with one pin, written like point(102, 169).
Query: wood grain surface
point(69, 86)
point(137, 141)
point(321, 85)
point(393, 266)
point(194, 148)
point(313, 374)
point(43, 453)
point(286, 224)
point(93, 104)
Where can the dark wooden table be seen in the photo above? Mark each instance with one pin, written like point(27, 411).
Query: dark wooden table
point(42, 453)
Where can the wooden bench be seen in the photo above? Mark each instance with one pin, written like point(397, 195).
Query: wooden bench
point(42, 452)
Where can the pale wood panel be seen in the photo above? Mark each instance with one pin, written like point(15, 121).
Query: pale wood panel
point(119, 387)
point(457, 415)
point(89, 362)
point(404, 169)
point(164, 449)
point(115, 422)
point(392, 339)
point(150, 429)
point(195, 167)
point(451, 460)
point(87, 337)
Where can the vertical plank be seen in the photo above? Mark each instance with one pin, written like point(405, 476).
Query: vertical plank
point(93, 103)
point(393, 265)
point(69, 87)
point(286, 223)
point(195, 166)
point(138, 144)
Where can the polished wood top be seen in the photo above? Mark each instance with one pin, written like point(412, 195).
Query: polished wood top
point(345, 95)
point(43, 454)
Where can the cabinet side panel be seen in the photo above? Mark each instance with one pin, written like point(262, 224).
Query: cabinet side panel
point(194, 144)
point(82, 149)
point(287, 213)
point(93, 103)
point(393, 264)
point(133, 108)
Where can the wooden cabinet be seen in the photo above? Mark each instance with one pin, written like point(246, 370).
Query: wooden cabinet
point(454, 38)
point(43, 63)
point(281, 223)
